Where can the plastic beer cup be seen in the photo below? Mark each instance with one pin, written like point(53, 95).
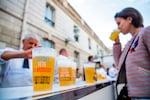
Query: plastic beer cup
point(101, 74)
point(114, 34)
point(43, 68)
point(64, 72)
point(90, 74)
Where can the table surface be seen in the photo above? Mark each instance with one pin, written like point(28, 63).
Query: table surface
point(27, 91)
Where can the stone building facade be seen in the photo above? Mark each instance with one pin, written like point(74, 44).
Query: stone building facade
point(55, 21)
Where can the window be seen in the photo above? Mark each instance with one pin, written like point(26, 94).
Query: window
point(97, 50)
point(49, 15)
point(47, 43)
point(76, 57)
point(97, 53)
point(89, 41)
point(76, 33)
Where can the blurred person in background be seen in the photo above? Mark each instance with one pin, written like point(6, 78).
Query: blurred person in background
point(90, 59)
point(79, 74)
point(113, 71)
point(63, 55)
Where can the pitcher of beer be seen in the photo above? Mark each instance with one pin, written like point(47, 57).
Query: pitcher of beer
point(90, 73)
point(43, 68)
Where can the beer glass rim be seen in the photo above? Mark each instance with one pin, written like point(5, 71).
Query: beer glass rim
point(89, 65)
point(43, 51)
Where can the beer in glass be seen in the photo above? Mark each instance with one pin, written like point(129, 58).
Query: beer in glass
point(43, 68)
point(64, 72)
point(90, 74)
point(101, 74)
point(114, 34)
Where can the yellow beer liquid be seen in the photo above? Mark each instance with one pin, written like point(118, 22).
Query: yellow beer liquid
point(114, 35)
point(90, 75)
point(100, 77)
point(73, 76)
point(64, 76)
point(43, 72)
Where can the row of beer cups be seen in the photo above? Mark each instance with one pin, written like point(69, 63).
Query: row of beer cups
point(44, 60)
point(43, 70)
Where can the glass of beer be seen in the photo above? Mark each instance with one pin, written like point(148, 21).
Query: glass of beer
point(101, 74)
point(43, 62)
point(114, 34)
point(64, 72)
point(90, 73)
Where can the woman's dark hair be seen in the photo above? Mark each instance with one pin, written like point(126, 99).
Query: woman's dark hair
point(137, 19)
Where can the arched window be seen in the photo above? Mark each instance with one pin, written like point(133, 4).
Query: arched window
point(47, 43)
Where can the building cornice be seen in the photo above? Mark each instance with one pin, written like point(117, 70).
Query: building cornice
point(71, 12)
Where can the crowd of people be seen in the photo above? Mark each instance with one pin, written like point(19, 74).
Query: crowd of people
point(131, 66)
point(17, 64)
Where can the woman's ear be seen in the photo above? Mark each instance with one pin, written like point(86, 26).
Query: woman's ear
point(129, 19)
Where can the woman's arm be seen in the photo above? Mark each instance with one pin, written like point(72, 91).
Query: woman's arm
point(146, 38)
point(117, 50)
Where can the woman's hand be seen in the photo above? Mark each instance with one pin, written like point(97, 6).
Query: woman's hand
point(117, 41)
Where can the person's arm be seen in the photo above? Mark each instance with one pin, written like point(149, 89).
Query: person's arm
point(117, 51)
point(146, 38)
point(16, 54)
point(103, 66)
